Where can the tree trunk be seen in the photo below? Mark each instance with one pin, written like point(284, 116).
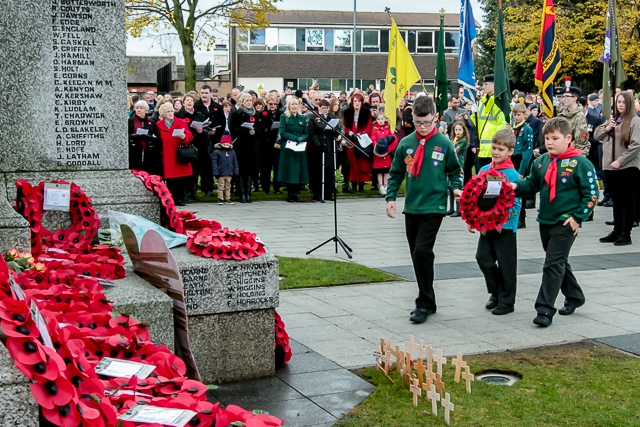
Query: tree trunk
point(189, 66)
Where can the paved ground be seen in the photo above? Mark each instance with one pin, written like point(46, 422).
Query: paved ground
point(344, 323)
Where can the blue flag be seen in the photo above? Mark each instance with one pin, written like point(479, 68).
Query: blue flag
point(466, 71)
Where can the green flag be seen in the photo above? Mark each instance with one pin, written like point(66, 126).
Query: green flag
point(442, 84)
point(502, 91)
point(613, 74)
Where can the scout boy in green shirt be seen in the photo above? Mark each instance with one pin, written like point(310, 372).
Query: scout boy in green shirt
point(568, 190)
point(428, 160)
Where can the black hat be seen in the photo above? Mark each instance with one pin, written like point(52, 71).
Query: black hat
point(593, 97)
point(489, 78)
point(532, 106)
point(574, 91)
point(582, 101)
point(382, 146)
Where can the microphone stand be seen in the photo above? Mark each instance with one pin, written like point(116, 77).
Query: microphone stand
point(335, 238)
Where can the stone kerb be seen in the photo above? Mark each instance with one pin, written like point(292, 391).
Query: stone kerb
point(230, 305)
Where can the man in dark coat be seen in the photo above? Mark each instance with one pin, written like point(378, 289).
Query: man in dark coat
point(321, 140)
point(207, 140)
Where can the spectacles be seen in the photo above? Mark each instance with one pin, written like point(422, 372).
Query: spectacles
point(271, 103)
point(425, 124)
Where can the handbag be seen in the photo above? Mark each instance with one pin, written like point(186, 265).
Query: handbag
point(187, 153)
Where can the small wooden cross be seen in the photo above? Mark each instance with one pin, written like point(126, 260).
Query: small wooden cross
point(468, 377)
point(460, 365)
point(429, 373)
point(434, 397)
point(439, 360)
point(378, 355)
point(386, 360)
point(428, 353)
point(395, 352)
point(421, 368)
point(448, 407)
point(416, 390)
point(439, 384)
point(412, 346)
point(400, 361)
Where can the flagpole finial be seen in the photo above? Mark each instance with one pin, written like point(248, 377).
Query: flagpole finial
point(387, 11)
point(442, 11)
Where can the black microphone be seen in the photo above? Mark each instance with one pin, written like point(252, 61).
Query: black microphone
point(299, 93)
point(306, 102)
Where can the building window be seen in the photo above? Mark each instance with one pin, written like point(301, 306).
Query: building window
point(257, 40)
point(300, 39)
point(286, 39)
point(370, 41)
point(425, 42)
point(271, 38)
point(315, 40)
point(451, 41)
point(338, 85)
point(324, 84)
point(384, 40)
point(243, 40)
point(342, 41)
point(411, 43)
point(328, 40)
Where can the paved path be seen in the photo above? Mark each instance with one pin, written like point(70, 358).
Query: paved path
point(344, 323)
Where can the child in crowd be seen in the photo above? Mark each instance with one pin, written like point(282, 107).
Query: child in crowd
point(497, 253)
point(568, 193)
point(384, 144)
point(524, 149)
point(460, 141)
point(224, 165)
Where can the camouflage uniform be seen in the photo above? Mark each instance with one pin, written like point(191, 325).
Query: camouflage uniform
point(579, 129)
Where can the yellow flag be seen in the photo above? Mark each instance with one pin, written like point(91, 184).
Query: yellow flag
point(401, 74)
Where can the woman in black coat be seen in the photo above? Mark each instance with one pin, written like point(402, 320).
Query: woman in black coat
point(144, 148)
point(189, 114)
point(269, 154)
point(245, 145)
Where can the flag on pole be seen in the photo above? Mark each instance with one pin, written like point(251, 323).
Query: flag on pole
point(614, 74)
point(549, 60)
point(502, 92)
point(401, 74)
point(442, 84)
point(466, 70)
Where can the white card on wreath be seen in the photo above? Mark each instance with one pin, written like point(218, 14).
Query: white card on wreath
point(493, 188)
point(123, 368)
point(154, 414)
point(41, 324)
point(57, 197)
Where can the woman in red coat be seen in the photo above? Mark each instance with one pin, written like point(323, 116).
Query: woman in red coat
point(176, 174)
point(357, 121)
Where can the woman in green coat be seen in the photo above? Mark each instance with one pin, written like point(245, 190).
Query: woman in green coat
point(292, 170)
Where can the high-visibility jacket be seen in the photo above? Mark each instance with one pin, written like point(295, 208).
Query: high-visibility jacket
point(490, 119)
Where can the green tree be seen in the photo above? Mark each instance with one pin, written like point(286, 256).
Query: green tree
point(195, 24)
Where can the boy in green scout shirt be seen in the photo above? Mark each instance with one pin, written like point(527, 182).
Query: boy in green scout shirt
point(428, 160)
point(568, 191)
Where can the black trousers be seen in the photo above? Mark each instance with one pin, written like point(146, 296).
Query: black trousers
point(497, 257)
point(343, 162)
point(421, 233)
point(315, 160)
point(177, 187)
point(202, 167)
point(557, 276)
point(469, 164)
point(269, 159)
point(623, 188)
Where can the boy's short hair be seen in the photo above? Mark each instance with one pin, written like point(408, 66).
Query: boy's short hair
point(504, 137)
point(423, 106)
point(519, 108)
point(559, 124)
point(324, 103)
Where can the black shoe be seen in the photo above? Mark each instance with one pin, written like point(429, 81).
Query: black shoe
point(623, 241)
point(502, 309)
point(608, 203)
point(374, 188)
point(521, 225)
point(635, 224)
point(450, 213)
point(329, 199)
point(530, 204)
point(419, 315)
point(609, 222)
point(542, 320)
point(361, 187)
point(243, 199)
point(492, 303)
point(455, 214)
point(209, 193)
point(569, 308)
point(590, 217)
point(609, 238)
point(290, 197)
point(603, 201)
point(349, 190)
point(248, 197)
point(294, 198)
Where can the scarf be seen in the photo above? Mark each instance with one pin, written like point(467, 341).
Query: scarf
point(517, 126)
point(503, 165)
point(191, 111)
point(169, 124)
point(251, 111)
point(419, 157)
point(551, 176)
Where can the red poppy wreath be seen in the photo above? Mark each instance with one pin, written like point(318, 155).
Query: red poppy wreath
point(84, 218)
point(485, 214)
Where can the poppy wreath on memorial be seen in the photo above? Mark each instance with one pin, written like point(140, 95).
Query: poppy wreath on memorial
point(83, 329)
point(281, 344)
point(169, 217)
point(477, 214)
point(222, 243)
point(84, 218)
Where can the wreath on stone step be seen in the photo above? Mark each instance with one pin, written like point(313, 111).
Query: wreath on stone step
point(485, 214)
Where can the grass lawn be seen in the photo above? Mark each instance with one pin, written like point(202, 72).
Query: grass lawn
point(309, 272)
point(577, 384)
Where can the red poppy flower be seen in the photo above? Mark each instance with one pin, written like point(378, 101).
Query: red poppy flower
point(264, 113)
point(65, 415)
point(187, 120)
point(26, 350)
point(27, 329)
point(252, 119)
point(52, 393)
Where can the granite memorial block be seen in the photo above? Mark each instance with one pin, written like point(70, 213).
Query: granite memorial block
point(18, 405)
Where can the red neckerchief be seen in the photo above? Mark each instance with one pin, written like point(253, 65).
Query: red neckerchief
point(503, 165)
point(551, 176)
point(419, 156)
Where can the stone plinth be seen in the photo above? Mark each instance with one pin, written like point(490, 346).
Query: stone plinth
point(14, 229)
point(145, 303)
point(18, 406)
point(231, 318)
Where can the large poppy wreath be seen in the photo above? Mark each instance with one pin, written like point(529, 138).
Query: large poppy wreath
point(486, 214)
point(84, 218)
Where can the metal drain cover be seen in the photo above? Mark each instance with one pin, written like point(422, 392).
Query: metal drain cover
point(497, 378)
